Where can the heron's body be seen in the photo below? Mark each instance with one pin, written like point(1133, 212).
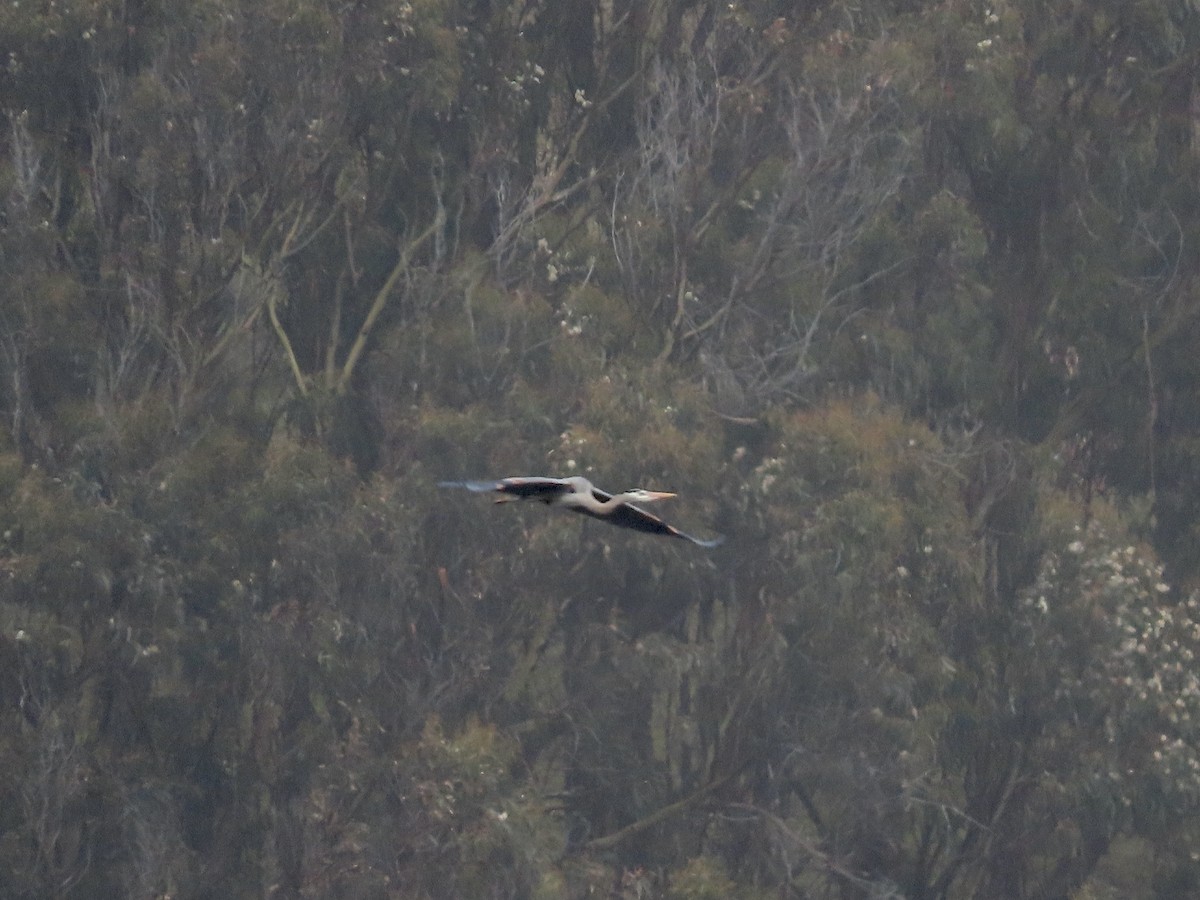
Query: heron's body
point(580, 495)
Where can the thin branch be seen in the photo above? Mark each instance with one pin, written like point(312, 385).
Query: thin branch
point(816, 853)
point(335, 329)
point(381, 301)
point(659, 815)
point(1152, 402)
point(681, 296)
point(297, 373)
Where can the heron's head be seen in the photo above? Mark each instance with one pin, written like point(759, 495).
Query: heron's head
point(641, 495)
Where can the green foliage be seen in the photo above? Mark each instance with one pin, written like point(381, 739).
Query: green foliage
point(898, 297)
point(467, 818)
point(1139, 662)
point(701, 879)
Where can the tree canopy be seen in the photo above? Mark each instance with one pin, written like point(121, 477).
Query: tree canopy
point(900, 297)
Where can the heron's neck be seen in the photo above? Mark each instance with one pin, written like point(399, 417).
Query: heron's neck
point(591, 501)
point(615, 499)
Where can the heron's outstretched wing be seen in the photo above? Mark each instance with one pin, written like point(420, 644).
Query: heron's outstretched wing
point(627, 515)
point(547, 490)
point(531, 487)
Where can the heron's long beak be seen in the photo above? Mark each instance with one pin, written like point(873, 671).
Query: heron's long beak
point(660, 495)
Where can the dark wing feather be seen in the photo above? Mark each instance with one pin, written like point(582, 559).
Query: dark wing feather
point(533, 487)
point(536, 487)
point(629, 516)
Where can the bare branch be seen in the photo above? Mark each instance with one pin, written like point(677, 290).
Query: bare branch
point(823, 859)
point(611, 840)
point(382, 296)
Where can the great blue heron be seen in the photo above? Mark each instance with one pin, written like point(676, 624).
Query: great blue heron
point(580, 495)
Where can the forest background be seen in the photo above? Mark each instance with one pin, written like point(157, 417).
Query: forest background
point(901, 296)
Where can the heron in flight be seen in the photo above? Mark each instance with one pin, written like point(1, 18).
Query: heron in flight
point(580, 495)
